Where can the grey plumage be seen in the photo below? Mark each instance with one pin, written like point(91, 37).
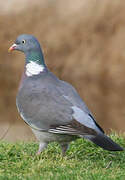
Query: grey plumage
point(54, 110)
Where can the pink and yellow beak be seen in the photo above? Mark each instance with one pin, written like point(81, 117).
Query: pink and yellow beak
point(12, 48)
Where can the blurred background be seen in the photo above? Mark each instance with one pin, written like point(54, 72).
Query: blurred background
point(83, 43)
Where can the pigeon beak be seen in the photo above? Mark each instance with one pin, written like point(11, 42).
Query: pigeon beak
point(12, 47)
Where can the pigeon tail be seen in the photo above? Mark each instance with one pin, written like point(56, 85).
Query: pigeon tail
point(105, 142)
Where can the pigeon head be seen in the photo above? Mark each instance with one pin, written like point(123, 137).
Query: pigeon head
point(26, 43)
point(30, 46)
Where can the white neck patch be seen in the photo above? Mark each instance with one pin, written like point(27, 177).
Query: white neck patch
point(33, 68)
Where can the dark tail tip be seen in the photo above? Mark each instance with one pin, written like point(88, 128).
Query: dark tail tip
point(106, 143)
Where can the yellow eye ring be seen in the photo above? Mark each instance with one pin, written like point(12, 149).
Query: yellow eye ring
point(23, 41)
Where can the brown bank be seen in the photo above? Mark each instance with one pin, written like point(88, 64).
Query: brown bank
point(83, 43)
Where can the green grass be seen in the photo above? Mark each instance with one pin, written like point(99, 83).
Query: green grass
point(83, 161)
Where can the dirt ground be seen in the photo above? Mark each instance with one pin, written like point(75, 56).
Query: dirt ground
point(83, 43)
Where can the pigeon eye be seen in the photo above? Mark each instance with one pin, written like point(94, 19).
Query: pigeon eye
point(23, 41)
